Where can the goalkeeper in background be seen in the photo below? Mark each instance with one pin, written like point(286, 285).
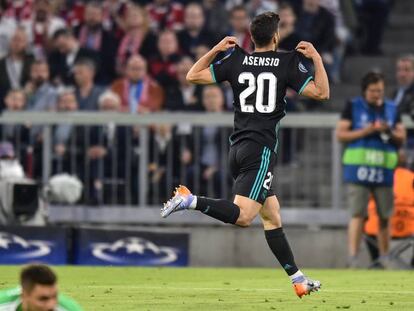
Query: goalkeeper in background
point(37, 292)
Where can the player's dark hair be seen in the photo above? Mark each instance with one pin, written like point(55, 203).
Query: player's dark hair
point(369, 78)
point(36, 274)
point(263, 28)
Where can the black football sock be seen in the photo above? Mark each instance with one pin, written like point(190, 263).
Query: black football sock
point(279, 245)
point(223, 210)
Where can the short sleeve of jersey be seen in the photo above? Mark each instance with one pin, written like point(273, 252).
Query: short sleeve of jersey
point(347, 112)
point(298, 74)
point(221, 70)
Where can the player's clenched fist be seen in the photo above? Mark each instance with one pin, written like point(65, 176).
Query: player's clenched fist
point(225, 44)
point(307, 49)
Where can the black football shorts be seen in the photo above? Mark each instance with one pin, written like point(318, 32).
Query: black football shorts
point(252, 166)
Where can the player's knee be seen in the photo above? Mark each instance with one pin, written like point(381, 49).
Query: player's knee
point(245, 219)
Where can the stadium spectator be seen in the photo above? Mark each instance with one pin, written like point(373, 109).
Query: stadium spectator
point(139, 93)
point(163, 65)
point(109, 145)
point(114, 16)
point(87, 93)
point(373, 17)
point(37, 291)
point(67, 53)
point(41, 26)
point(68, 140)
point(256, 7)
point(7, 28)
point(371, 127)
point(182, 95)
point(217, 18)
point(317, 25)
point(404, 93)
point(166, 14)
point(138, 38)
point(289, 38)
point(342, 34)
point(41, 94)
point(212, 177)
point(73, 11)
point(19, 10)
point(14, 68)
point(194, 32)
point(239, 22)
point(404, 97)
point(93, 36)
point(17, 134)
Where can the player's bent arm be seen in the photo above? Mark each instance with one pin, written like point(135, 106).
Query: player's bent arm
point(399, 134)
point(319, 88)
point(200, 72)
point(200, 77)
point(345, 134)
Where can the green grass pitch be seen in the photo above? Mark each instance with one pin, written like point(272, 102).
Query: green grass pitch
point(218, 289)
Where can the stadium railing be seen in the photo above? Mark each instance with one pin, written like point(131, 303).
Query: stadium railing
point(307, 175)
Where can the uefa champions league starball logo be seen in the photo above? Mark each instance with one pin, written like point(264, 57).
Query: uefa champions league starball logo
point(131, 250)
point(15, 247)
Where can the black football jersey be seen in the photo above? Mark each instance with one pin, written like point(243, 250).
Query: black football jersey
point(259, 82)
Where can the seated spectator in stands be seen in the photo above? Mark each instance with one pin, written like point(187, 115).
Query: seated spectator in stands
point(93, 36)
point(41, 94)
point(166, 14)
point(7, 28)
point(182, 95)
point(19, 10)
point(212, 177)
point(114, 16)
point(217, 18)
point(73, 11)
point(139, 93)
point(239, 22)
point(317, 25)
point(108, 145)
point(138, 38)
point(194, 32)
point(404, 94)
point(163, 65)
point(373, 18)
point(68, 140)
point(256, 7)
point(289, 38)
point(41, 26)
point(15, 67)
point(17, 134)
point(87, 93)
point(67, 52)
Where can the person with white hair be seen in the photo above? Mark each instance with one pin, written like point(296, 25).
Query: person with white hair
point(108, 144)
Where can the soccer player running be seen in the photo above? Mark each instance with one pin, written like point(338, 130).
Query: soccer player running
point(259, 81)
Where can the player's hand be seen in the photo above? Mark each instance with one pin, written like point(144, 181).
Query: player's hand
point(225, 44)
point(369, 129)
point(381, 127)
point(307, 49)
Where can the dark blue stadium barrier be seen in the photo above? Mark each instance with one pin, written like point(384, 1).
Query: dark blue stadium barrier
point(130, 248)
point(21, 245)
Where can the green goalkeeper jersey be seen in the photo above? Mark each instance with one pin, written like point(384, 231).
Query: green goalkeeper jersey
point(10, 301)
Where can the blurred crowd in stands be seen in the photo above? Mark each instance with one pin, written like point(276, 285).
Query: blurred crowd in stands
point(133, 57)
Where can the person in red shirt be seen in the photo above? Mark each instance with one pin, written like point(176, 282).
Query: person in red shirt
point(166, 14)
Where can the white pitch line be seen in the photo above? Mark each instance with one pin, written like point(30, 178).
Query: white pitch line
point(364, 291)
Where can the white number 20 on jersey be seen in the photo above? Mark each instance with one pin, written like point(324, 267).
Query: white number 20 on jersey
point(251, 88)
